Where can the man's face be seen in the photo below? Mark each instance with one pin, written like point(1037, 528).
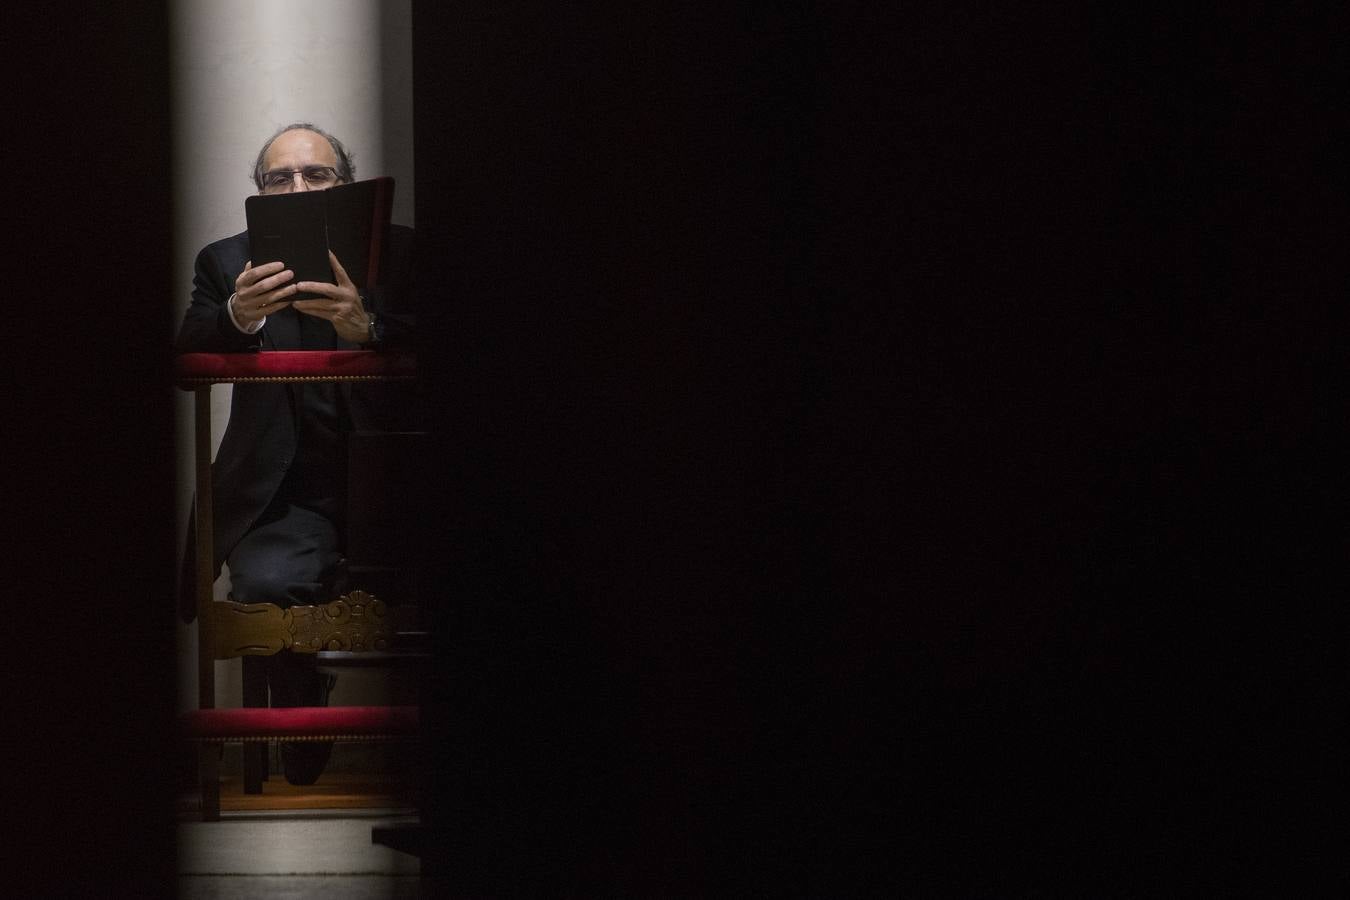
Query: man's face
point(299, 160)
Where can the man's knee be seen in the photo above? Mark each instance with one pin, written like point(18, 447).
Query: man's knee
point(273, 585)
point(289, 562)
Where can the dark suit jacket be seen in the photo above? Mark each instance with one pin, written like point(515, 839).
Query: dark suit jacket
point(261, 437)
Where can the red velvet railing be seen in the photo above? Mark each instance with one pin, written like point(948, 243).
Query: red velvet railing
point(195, 369)
point(317, 723)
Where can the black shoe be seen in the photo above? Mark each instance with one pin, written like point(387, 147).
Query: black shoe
point(304, 761)
point(295, 682)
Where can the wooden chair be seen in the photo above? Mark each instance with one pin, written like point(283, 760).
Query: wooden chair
point(355, 623)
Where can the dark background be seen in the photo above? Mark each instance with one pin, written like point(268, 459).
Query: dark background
point(875, 449)
point(88, 484)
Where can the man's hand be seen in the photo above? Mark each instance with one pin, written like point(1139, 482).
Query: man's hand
point(260, 291)
point(340, 304)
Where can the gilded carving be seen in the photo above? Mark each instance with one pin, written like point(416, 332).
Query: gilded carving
point(356, 622)
point(248, 629)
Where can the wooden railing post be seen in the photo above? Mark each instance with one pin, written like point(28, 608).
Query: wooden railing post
point(208, 756)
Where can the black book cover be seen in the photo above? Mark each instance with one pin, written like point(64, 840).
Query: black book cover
point(300, 228)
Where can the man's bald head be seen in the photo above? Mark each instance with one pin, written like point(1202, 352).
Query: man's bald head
point(346, 170)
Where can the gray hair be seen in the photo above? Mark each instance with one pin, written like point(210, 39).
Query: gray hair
point(346, 170)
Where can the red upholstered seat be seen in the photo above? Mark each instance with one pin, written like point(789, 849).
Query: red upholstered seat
point(301, 723)
point(328, 365)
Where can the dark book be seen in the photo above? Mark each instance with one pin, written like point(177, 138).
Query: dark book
point(300, 228)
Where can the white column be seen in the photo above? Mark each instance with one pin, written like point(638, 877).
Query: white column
point(241, 70)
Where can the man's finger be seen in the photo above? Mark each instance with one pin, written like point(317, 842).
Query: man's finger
point(275, 281)
point(279, 294)
point(340, 272)
point(320, 287)
point(319, 308)
point(250, 275)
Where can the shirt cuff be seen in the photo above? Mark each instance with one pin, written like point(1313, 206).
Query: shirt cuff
point(257, 326)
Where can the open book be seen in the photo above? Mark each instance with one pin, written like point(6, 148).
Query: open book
point(300, 228)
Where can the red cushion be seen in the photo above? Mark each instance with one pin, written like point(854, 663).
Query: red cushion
point(353, 722)
point(225, 367)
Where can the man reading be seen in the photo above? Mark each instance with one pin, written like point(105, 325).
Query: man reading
point(280, 473)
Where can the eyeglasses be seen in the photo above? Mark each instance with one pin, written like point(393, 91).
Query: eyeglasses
point(280, 180)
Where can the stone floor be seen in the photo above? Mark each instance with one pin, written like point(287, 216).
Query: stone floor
point(296, 854)
point(301, 887)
